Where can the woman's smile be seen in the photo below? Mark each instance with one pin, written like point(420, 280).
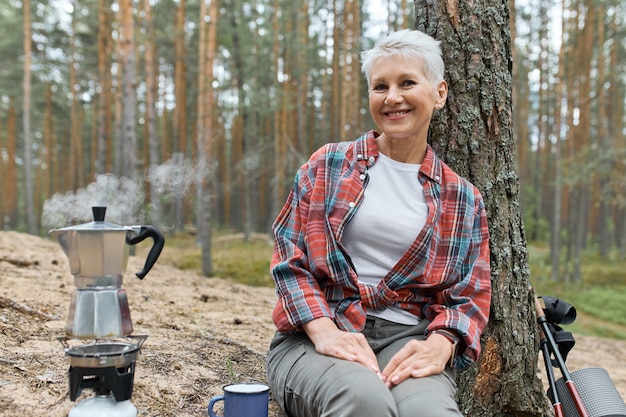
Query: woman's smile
point(402, 99)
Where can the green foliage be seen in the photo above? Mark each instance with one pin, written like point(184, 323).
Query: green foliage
point(600, 299)
point(245, 262)
point(233, 258)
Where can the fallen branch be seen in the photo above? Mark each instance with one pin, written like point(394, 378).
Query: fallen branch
point(17, 262)
point(23, 308)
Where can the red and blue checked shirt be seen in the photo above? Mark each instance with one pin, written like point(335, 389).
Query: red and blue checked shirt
point(444, 276)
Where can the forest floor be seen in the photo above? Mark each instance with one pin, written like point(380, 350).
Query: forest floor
point(203, 333)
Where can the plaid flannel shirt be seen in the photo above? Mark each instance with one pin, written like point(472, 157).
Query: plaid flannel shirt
point(444, 276)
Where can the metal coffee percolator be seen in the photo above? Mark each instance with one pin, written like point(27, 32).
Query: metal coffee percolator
point(98, 254)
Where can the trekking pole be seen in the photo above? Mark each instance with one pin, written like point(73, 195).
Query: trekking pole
point(554, 349)
point(556, 403)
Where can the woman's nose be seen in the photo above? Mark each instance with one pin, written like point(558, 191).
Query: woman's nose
point(394, 95)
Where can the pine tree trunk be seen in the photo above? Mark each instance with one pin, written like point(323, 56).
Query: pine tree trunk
point(616, 130)
point(28, 159)
point(9, 220)
point(473, 134)
point(103, 76)
point(129, 63)
point(556, 220)
point(180, 112)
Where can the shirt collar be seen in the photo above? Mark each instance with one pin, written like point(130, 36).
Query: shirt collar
point(366, 149)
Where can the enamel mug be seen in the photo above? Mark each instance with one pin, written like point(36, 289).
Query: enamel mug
point(242, 400)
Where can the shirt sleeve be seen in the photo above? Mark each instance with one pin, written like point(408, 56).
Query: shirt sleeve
point(300, 297)
point(464, 306)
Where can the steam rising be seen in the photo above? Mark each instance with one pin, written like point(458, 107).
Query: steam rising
point(123, 197)
point(173, 177)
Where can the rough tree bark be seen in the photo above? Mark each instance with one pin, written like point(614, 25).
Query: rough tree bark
point(473, 134)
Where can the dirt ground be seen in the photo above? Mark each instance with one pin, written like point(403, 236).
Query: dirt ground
point(202, 333)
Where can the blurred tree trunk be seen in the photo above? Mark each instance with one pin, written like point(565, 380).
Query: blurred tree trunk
point(26, 128)
point(247, 163)
point(350, 76)
point(204, 130)
point(616, 94)
point(10, 185)
point(151, 140)
point(582, 138)
point(557, 195)
point(279, 149)
point(180, 111)
point(569, 150)
point(76, 167)
point(129, 64)
point(300, 77)
point(118, 101)
point(521, 104)
point(51, 163)
point(602, 188)
point(103, 149)
point(335, 91)
point(406, 22)
point(535, 230)
point(473, 134)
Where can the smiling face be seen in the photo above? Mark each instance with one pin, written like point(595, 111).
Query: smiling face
point(402, 99)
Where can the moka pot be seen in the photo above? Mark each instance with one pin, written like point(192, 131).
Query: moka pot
point(98, 255)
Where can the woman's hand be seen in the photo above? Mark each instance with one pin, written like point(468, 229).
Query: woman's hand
point(418, 358)
point(331, 341)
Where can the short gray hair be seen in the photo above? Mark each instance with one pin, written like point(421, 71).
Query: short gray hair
point(409, 44)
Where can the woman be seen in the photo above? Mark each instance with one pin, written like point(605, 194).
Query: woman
point(381, 259)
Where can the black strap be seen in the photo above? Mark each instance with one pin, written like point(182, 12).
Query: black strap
point(560, 312)
point(563, 339)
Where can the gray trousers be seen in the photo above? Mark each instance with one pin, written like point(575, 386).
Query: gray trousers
point(305, 383)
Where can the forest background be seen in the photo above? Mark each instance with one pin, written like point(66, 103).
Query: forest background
point(191, 113)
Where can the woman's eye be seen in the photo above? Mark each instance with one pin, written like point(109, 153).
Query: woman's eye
point(379, 87)
point(408, 83)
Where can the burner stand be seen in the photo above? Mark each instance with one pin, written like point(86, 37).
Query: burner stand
point(108, 368)
point(103, 381)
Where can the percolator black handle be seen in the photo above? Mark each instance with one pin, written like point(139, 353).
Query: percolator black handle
point(155, 250)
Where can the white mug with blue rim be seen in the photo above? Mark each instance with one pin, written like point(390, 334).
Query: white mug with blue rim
point(242, 400)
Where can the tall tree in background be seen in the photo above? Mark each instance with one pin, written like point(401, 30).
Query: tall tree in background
point(76, 167)
point(151, 140)
point(129, 63)
point(180, 111)
point(473, 134)
point(26, 133)
point(204, 130)
point(350, 125)
point(245, 149)
point(556, 226)
point(581, 138)
point(615, 118)
point(103, 145)
point(10, 198)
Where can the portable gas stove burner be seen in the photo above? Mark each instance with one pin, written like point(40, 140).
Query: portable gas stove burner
point(107, 367)
point(98, 253)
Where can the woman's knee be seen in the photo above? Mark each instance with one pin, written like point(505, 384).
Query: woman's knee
point(433, 396)
point(357, 394)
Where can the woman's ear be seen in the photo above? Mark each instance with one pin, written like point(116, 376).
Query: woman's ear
point(442, 91)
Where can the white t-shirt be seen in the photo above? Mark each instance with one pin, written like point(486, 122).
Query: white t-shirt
point(386, 224)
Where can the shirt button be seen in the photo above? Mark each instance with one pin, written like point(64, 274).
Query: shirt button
point(351, 204)
point(437, 178)
point(362, 176)
point(359, 156)
point(371, 159)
